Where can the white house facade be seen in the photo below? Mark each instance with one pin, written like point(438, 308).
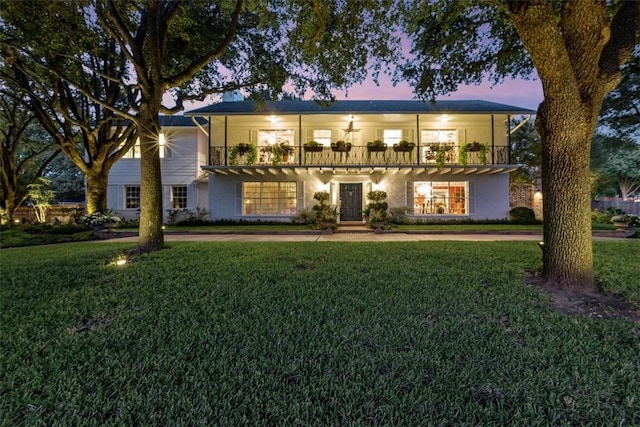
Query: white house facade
point(448, 160)
point(183, 150)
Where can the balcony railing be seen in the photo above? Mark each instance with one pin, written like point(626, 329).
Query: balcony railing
point(348, 155)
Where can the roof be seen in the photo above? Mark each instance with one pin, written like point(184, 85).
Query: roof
point(361, 107)
point(178, 121)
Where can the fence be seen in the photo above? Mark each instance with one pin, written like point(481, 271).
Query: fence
point(627, 206)
point(62, 213)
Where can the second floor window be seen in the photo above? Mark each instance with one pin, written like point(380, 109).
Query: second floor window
point(134, 153)
point(322, 136)
point(392, 136)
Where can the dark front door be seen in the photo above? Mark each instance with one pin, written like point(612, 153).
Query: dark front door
point(350, 202)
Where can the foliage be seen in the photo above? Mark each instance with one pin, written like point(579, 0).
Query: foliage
point(43, 234)
point(187, 216)
point(464, 41)
point(25, 151)
point(604, 217)
point(326, 215)
point(376, 209)
point(522, 215)
point(405, 328)
point(630, 219)
point(40, 197)
point(304, 216)
point(621, 108)
point(100, 218)
point(526, 150)
point(242, 149)
point(624, 167)
point(398, 215)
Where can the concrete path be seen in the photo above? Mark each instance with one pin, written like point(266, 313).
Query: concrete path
point(343, 237)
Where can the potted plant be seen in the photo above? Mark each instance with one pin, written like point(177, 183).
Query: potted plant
point(403, 146)
point(341, 146)
point(375, 212)
point(376, 146)
point(279, 152)
point(313, 147)
point(625, 221)
point(243, 149)
point(326, 215)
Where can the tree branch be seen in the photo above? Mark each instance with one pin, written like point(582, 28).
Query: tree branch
point(201, 62)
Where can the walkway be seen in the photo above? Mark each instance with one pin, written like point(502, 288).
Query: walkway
point(355, 235)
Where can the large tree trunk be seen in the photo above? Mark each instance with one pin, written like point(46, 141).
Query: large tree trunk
point(151, 237)
point(10, 204)
point(97, 192)
point(566, 141)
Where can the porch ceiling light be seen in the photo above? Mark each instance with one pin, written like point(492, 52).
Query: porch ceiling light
point(444, 118)
point(351, 118)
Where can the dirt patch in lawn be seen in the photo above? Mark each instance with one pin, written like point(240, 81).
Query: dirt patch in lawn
point(599, 304)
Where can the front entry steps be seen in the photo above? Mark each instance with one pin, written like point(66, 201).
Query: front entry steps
point(353, 227)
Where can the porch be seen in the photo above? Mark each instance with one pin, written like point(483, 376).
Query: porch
point(358, 155)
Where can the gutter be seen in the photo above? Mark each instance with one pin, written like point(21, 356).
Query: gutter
point(193, 119)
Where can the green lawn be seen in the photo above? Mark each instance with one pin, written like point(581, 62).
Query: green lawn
point(317, 333)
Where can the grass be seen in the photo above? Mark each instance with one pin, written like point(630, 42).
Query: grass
point(421, 333)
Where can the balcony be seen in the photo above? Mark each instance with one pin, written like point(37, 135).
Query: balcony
point(359, 156)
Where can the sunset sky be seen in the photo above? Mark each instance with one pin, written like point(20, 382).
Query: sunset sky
point(518, 93)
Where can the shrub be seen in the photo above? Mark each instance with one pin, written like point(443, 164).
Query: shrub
point(522, 215)
point(398, 215)
point(304, 216)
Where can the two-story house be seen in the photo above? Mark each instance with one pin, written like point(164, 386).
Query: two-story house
point(448, 160)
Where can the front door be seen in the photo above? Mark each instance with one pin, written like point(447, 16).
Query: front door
point(350, 202)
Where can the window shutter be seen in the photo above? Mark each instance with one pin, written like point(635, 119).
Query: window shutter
point(379, 133)
point(472, 197)
point(191, 196)
point(407, 135)
point(409, 195)
point(309, 136)
point(238, 198)
point(167, 197)
point(253, 136)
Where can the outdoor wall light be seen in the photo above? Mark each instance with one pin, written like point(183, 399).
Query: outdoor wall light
point(273, 119)
point(444, 118)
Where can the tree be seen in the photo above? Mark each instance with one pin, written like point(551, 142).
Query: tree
point(187, 50)
point(258, 45)
point(621, 108)
point(624, 166)
point(609, 160)
point(70, 73)
point(526, 150)
point(577, 48)
point(25, 152)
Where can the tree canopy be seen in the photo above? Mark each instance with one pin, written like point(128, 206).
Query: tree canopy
point(578, 49)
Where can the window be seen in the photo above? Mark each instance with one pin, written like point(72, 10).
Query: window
point(438, 197)
point(268, 198)
point(438, 136)
point(132, 197)
point(279, 136)
point(134, 152)
point(392, 136)
point(323, 136)
point(179, 196)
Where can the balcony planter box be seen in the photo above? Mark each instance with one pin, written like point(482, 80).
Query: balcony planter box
point(341, 147)
point(403, 147)
point(313, 147)
point(376, 146)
